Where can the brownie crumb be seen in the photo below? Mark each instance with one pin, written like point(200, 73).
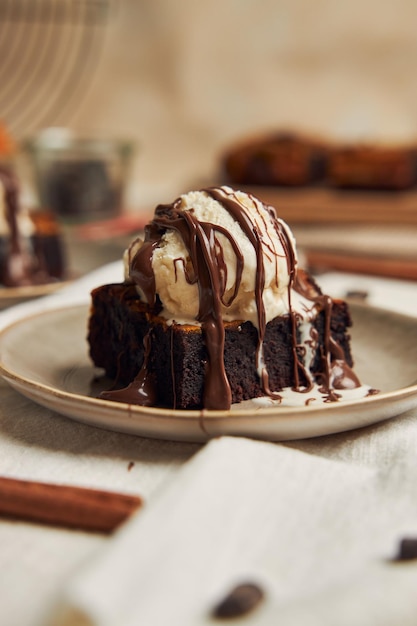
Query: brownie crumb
point(240, 601)
point(357, 294)
point(407, 550)
point(131, 464)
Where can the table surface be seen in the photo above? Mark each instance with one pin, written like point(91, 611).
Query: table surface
point(37, 561)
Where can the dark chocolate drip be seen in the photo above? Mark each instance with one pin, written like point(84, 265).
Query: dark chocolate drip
point(335, 372)
point(141, 271)
point(299, 366)
point(142, 388)
point(240, 213)
point(209, 274)
point(217, 393)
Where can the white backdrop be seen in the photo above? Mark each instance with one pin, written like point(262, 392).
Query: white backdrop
point(185, 78)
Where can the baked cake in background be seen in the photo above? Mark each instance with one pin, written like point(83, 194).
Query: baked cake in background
point(371, 167)
point(31, 248)
point(282, 158)
point(214, 310)
point(295, 160)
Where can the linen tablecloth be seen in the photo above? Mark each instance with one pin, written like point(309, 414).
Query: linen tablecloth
point(315, 523)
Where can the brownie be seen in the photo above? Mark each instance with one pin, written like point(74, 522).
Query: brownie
point(119, 322)
point(117, 326)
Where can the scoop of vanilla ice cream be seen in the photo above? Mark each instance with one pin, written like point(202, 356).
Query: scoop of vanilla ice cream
point(171, 263)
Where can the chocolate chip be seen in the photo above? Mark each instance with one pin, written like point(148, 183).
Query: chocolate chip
point(242, 599)
point(407, 549)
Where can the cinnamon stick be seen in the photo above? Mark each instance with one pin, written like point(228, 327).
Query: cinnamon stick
point(64, 505)
point(318, 260)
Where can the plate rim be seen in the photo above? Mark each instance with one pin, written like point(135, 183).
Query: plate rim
point(33, 291)
point(192, 414)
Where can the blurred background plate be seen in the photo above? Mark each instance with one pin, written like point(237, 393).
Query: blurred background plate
point(10, 296)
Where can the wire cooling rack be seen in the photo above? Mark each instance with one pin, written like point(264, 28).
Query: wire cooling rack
point(49, 50)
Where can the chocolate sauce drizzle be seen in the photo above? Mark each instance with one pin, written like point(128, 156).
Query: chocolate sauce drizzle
point(209, 271)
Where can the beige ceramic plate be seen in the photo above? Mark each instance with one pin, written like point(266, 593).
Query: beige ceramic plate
point(45, 357)
point(10, 296)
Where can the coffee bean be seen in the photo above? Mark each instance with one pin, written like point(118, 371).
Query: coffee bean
point(357, 294)
point(242, 599)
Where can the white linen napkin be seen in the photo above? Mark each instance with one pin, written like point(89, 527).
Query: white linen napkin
point(318, 535)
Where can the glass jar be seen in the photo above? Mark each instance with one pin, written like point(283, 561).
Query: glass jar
point(79, 179)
